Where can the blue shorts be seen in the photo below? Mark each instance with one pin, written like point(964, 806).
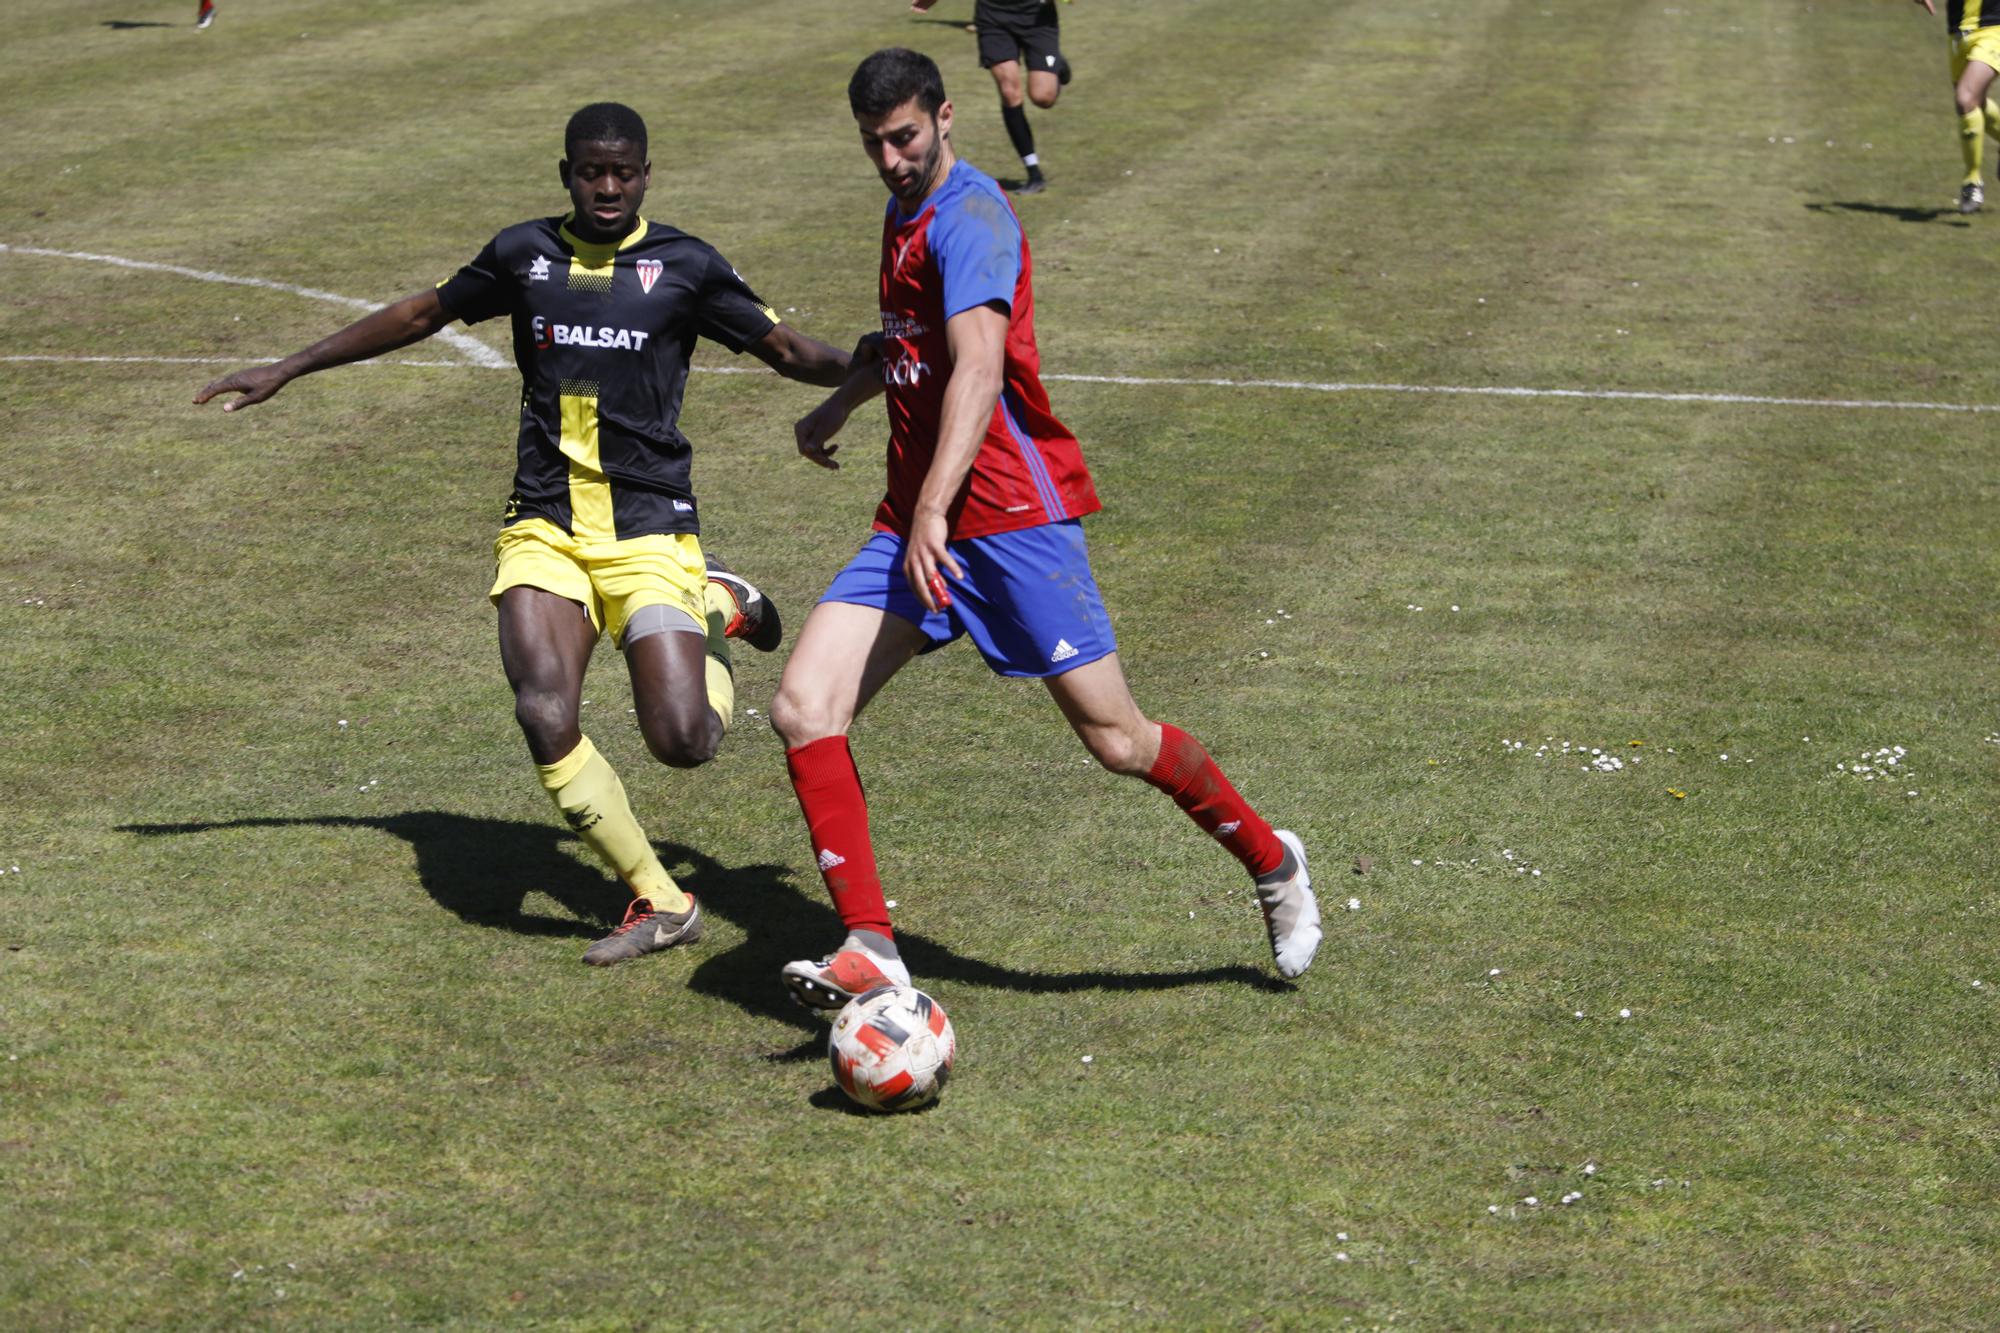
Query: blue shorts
point(1027, 598)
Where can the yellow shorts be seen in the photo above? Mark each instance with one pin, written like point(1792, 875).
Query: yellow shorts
point(1981, 44)
point(610, 579)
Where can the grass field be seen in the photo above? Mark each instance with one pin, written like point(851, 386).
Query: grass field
point(294, 1027)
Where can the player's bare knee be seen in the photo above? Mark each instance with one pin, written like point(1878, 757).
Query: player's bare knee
point(800, 719)
point(683, 742)
point(1044, 100)
point(789, 718)
point(546, 716)
point(1115, 748)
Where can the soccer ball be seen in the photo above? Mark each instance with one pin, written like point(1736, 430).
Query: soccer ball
point(892, 1048)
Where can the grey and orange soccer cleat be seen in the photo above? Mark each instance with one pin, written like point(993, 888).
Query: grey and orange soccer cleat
point(646, 930)
point(1291, 913)
point(756, 621)
point(1971, 197)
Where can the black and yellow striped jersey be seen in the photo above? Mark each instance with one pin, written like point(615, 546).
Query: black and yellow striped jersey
point(603, 335)
point(1965, 15)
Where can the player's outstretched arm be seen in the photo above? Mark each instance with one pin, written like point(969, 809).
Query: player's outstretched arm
point(978, 341)
point(797, 357)
point(409, 320)
point(815, 430)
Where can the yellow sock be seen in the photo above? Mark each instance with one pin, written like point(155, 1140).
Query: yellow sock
point(1993, 118)
point(721, 676)
point(1971, 141)
point(592, 801)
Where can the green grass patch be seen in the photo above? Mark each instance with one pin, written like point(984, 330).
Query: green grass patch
point(293, 1027)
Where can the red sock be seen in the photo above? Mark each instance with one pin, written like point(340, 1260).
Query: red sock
point(829, 792)
point(1185, 772)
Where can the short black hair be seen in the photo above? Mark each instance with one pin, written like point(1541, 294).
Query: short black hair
point(604, 122)
point(891, 77)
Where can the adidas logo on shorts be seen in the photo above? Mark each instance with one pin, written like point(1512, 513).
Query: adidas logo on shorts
point(1063, 651)
point(829, 858)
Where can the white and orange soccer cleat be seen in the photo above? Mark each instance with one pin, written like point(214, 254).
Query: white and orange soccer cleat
point(863, 962)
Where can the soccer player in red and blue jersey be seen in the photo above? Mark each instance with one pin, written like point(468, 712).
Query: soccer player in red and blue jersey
point(979, 535)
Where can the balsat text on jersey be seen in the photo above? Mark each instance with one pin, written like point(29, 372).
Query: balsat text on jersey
point(587, 335)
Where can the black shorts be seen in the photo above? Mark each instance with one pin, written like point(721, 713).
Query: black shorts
point(1029, 38)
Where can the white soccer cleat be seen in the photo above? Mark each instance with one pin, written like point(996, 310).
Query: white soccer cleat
point(1971, 197)
point(852, 969)
point(1291, 913)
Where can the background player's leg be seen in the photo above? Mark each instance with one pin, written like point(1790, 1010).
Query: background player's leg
point(545, 645)
point(1007, 78)
point(1042, 57)
point(1970, 95)
point(1100, 707)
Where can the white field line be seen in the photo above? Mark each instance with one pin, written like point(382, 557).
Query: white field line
point(223, 361)
point(471, 348)
point(1506, 391)
point(482, 357)
point(1149, 381)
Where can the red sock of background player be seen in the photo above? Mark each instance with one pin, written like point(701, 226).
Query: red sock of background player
point(1185, 772)
point(829, 792)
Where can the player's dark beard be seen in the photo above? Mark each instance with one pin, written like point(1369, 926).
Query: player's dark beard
point(927, 179)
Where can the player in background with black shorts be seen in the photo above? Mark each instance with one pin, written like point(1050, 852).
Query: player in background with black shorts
point(979, 535)
point(1974, 29)
point(1014, 34)
point(602, 533)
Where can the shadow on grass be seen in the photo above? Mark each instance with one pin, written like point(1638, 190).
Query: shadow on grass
point(124, 25)
point(1900, 212)
point(481, 870)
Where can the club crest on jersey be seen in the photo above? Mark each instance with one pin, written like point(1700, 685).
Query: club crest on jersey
point(649, 273)
point(539, 270)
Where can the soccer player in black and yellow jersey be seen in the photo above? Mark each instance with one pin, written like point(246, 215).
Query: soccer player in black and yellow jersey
point(601, 532)
point(1974, 27)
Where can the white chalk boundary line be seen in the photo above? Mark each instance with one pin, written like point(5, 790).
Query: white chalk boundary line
point(480, 356)
point(1145, 381)
point(474, 351)
point(1503, 391)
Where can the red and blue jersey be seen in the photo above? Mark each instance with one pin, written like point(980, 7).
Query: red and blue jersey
point(965, 248)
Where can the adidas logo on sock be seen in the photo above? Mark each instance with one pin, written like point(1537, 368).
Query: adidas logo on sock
point(829, 858)
point(1063, 651)
point(1224, 830)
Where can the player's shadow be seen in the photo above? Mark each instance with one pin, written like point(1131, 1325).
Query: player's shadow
point(123, 25)
point(1900, 212)
point(482, 871)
